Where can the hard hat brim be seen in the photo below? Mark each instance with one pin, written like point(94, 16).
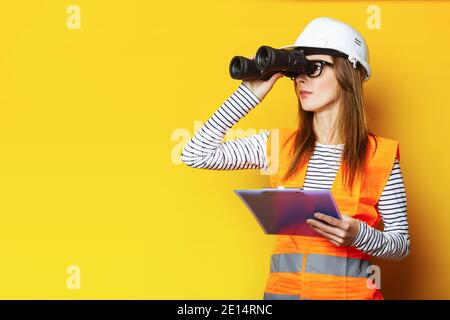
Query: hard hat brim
point(314, 50)
point(332, 52)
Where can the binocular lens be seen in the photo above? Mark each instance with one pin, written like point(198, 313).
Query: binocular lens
point(243, 68)
point(262, 57)
point(236, 67)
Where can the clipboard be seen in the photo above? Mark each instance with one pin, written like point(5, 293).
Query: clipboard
point(284, 211)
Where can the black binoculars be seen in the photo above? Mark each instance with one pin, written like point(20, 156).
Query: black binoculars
point(269, 61)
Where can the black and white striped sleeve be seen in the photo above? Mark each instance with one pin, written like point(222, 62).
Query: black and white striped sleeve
point(207, 150)
point(394, 241)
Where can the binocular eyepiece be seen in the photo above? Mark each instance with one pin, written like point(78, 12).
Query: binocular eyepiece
point(269, 61)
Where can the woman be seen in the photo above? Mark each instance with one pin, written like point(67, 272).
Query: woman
point(331, 149)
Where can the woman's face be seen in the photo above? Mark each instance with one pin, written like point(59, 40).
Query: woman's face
point(323, 88)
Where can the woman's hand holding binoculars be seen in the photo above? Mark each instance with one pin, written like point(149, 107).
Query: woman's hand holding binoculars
point(260, 88)
point(260, 72)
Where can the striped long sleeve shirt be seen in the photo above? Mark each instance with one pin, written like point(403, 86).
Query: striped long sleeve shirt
point(207, 150)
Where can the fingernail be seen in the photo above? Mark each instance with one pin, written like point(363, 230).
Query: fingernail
point(316, 214)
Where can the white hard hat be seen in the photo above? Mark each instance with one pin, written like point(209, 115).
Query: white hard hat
point(326, 35)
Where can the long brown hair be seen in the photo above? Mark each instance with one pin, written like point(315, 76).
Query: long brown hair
point(351, 124)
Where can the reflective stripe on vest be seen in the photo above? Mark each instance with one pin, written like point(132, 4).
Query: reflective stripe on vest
point(338, 266)
point(321, 264)
point(279, 296)
point(288, 262)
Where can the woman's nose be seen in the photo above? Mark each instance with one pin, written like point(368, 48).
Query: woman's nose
point(300, 78)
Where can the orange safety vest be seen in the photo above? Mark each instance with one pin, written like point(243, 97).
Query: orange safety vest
point(304, 267)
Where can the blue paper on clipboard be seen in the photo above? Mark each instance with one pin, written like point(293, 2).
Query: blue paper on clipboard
point(285, 211)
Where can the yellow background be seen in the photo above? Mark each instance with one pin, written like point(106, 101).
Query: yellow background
point(92, 122)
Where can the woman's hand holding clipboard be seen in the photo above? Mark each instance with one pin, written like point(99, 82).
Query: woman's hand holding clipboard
point(341, 232)
point(291, 211)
